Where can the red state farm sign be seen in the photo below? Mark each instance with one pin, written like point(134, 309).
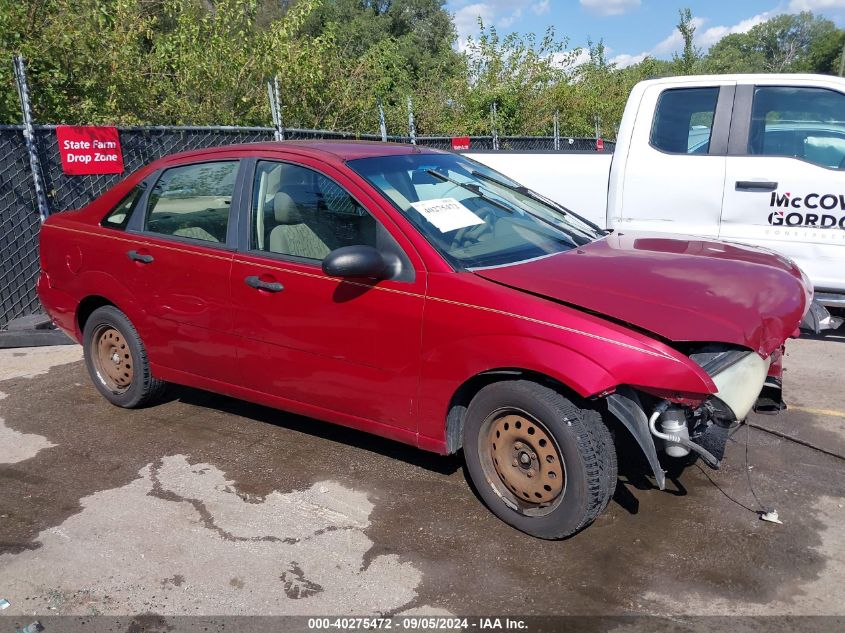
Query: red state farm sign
point(89, 150)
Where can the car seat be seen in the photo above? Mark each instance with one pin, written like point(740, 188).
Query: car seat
point(291, 236)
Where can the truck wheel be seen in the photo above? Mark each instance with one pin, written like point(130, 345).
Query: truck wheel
point(117, 361)
point(540, 463)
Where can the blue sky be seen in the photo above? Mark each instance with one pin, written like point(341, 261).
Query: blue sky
point(630, 28)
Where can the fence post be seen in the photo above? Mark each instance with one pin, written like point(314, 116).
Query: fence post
point(598, 127)
point(279, 108)
point(275, 108)
point(412, 128)
point(493, 126)
point(557, 130)
point(29, 138)
point(381, 122)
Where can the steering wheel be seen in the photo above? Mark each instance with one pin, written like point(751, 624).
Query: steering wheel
point(470, 234)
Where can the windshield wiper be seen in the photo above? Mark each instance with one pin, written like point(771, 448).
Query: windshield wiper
point(525, 191)
point(474, 189)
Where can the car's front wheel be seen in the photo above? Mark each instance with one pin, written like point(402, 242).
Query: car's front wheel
point(540, 462)
point(117, 360)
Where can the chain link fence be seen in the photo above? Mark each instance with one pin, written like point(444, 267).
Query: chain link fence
point(19, 214)
point(19, 224)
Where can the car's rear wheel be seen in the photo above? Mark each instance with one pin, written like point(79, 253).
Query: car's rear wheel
point(117, 360)
point(540, 462)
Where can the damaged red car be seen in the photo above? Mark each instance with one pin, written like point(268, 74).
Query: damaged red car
point(421, 296)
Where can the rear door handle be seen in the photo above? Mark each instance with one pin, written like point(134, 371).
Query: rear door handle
point(135, 256)
point(755, 185)
point(253, 281)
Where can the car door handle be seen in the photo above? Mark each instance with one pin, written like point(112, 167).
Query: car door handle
point(254, 281)
point(755, 185)
point(135, 256)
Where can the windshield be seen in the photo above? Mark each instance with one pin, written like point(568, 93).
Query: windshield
point(475, 217)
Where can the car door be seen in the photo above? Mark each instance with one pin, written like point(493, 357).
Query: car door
point(344, 345)
point(675, 168)
point(784, 180)
point(178, 263)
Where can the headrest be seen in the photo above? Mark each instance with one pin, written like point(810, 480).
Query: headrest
point(285, 209)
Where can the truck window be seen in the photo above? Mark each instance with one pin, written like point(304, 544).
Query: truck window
point(683, 120)
point(804, 123)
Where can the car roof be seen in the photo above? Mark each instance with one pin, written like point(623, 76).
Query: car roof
point(341, 150)
point(787, 80)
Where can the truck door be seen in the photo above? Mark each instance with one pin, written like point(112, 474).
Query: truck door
point(675, 167)
point(785, 176)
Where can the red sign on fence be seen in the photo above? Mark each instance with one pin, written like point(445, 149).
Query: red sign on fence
point(460, 143)
point(89, 150)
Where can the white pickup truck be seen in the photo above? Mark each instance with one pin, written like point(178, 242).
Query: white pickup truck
point(758, 159)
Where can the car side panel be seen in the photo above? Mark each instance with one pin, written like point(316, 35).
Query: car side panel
point(246, 392)
point(472, 326)
point(182, 312)
point(342, 345)
point(185, 295)
point(72, 254)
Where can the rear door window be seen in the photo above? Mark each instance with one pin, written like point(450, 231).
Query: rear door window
point(118, 217)
point(803, 123)
point(683, 120)
point(193, 201)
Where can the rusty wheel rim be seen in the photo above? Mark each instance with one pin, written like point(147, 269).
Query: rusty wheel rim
point(521, 454)
point(112, 359)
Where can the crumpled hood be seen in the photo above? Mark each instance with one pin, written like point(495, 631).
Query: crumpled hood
point(681, 288)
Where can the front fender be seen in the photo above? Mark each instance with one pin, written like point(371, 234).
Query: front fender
point(446, 367)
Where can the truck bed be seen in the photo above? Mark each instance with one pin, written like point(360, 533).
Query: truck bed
point(577, 180)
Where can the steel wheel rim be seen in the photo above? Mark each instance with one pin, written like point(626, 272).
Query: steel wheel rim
point(522, 462)
point(112, 359)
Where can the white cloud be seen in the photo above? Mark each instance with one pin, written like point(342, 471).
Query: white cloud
point(815, 5)
point(674, 41)
point(539, 8)
point(501, 13)
point(466, 18)
point(570, 60)
point(509, 20)
point(610, 7)
point(625, 60)
point(704, 38)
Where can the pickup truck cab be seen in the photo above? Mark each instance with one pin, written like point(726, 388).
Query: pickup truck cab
point(757, 159)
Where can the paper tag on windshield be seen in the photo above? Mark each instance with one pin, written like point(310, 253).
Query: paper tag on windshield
point(447, 214)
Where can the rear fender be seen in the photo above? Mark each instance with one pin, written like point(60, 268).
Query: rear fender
point(115, 293)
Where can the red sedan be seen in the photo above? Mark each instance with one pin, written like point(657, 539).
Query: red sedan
point(421, 296)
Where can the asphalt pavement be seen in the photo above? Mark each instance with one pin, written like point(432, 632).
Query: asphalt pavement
point(205, 505)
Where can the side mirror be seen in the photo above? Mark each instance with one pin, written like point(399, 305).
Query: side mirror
point(355, 261)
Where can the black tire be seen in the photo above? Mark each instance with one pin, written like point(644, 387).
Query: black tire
point(129, 383)
point(584, 447)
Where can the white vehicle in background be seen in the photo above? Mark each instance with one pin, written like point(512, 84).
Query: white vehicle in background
point(758, 159)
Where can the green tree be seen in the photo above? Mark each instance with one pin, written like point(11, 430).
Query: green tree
point(160, 61)
point(786, 43)
point(517, 73)
point(687, 61)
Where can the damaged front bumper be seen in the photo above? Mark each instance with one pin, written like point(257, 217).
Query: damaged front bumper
point(817, 319)
point(744, 381)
